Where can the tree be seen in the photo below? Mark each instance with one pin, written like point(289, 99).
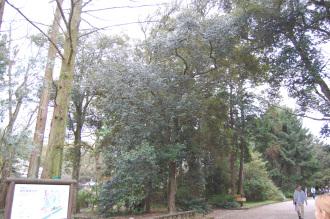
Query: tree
point(53, 165)
point(38, 137)
point(291, 34)
point(18, 86)
point(258, 185)
point(287, 147)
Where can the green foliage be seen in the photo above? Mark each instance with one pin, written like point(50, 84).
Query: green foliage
point(223, 201)
point(287, 147)
point(197, 204)
point(87, 198)
point(258, 186)
point(132, 180)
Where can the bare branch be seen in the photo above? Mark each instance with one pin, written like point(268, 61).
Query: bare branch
point(117, 25)
point(41, 31)
point(86, 3)
point(125, 7)
point(59, 6)
point(31, 119)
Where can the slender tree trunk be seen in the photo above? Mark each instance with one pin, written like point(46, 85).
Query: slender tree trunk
point(5, 173)
point(76, 156)
point(2, 8)
point(233, 151)
point(232, 160)
point(171, 187)
point(147, 201)
point(242, 142)
point(241, 170)
point(54, 155)
point(39, 131)
point(76, 160)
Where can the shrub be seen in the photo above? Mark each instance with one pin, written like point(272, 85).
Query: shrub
point(87, 198)
point(223, 201)
point(197, 204)
point(186, 201)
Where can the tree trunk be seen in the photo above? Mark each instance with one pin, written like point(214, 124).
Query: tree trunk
point(147, 201)
point(39, 131)
point(232, 160)
point(242, 141)
point(240, 189)
point(233, 151)
point(5, 173)
point(2, 8)
point(76, 160)
point(53, 165)
point(171, 187)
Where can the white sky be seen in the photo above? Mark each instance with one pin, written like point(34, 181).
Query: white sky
point(42, 11)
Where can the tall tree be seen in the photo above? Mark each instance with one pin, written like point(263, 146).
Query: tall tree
point(39, 131)
point(54, 155)
point(287, 146)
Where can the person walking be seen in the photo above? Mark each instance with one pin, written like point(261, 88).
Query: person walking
point(322, 207)
point(299, 198)
point(313, 191)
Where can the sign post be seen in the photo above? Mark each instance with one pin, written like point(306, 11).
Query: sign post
point(39, 199)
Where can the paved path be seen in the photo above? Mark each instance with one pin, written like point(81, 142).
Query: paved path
point(283, 210)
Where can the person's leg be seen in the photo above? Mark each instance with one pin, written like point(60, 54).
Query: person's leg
point(302, 211)
point(298, 210)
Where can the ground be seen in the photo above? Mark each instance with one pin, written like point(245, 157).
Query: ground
point(283, 210)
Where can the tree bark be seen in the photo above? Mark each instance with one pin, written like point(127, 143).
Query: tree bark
point(232, 160)
point(39, 132)
point(241, 170)
point(76, 158)
point(171, 187)
point(2, 9)
point(54, 155)
point(242, 141)
point(233, 151)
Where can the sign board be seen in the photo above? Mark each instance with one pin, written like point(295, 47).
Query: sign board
point(39, 199)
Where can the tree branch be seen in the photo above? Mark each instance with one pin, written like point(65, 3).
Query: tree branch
point(59, 6)
point(184, 61)
point(127, 6)
point(116, 25)
point(41, 31)
point(303, 115)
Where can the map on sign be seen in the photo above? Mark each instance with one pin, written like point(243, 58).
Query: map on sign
point(37, 201)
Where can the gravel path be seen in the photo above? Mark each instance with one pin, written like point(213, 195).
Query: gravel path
point(283, 210)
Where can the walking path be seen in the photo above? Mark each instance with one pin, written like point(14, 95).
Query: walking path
point(283, 210)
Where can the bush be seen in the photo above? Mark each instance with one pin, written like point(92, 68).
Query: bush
point(87, 198)
point(185, 201)
point(223, 201)
point(197, 204)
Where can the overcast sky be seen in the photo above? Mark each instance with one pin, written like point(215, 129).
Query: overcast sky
point(41, 12)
